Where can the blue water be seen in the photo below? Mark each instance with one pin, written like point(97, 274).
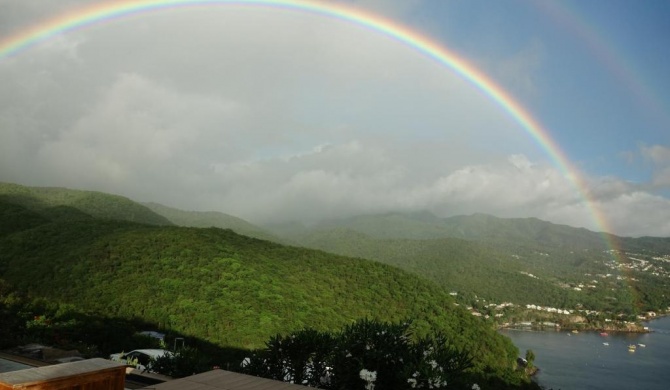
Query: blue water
point(580, 361)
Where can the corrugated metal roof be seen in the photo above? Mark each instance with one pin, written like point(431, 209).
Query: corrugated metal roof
point(226, 380)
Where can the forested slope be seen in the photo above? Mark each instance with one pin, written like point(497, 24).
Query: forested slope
point(528, 232)
point(94, 204)
point(223, 287)
point(208, 219)
point(523, 260)
point(468, 268)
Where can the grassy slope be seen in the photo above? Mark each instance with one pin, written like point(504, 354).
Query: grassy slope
point(226, 288)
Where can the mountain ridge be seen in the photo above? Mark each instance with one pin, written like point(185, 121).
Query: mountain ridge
point(491, 252)
point(494, 256)
point(205, 219)
point(93, 203)
point(425, 225)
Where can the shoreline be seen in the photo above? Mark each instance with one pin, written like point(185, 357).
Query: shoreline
point(562, 330)
point(561, 358)
point(638, 327)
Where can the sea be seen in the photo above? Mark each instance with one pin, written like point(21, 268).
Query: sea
point(583, 361)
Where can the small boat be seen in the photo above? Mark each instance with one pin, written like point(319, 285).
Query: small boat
point(604, 334)
point(632, 348)
point(606, 344)
point(575, 331)
point(642, 345)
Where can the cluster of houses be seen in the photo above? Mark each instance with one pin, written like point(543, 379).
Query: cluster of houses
point(496, 307)
point(652, 264)
point(549, 309)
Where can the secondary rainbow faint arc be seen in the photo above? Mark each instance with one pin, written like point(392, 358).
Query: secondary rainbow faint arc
point(116, 9)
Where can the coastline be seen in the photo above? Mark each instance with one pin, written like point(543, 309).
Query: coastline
point(580, 327)
point(579, 324)
point(585, 361)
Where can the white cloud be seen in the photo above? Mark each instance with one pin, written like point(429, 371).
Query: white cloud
point(637, 213)
point(662, 178)
point(516, 187)
point(273, 115)
point(521, 188)
point(316, 188)
point(659, 156)
point(139, 132)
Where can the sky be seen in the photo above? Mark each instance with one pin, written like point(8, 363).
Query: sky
point(274, 114)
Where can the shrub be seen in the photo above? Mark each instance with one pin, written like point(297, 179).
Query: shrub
point(183, 362)
point(367, 354)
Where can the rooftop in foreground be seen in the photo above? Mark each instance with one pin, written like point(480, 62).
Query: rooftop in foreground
point(98, 374)
point(228, 380)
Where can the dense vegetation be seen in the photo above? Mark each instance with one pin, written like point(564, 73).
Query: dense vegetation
point(90, 203)
point(215, 285)
point(473, 269)
point(493, 258)
point(529, 232)
point(462, 266)
point(82, 257)
point(366, 354)
point(211, 219)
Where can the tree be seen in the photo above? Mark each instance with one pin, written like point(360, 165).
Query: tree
point(530, 358)
point(183, 362)
point(367, 354)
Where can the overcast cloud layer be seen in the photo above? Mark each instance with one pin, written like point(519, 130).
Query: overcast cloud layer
point(277, 115)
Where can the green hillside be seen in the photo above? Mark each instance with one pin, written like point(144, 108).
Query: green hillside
point(17, 218)
point(490, 230)
point(493, 257)
point(226, 288)
point(466, 267)
point(95, 204)
point(211, 219)
point(529, 232)
point(419, 225)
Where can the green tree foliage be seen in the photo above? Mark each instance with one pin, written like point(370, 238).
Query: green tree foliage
point(215, 285)
point(211, 219)
point(183, 362)
point(302, 357)
point(530, 358)
point(90, 203)
point(365, 354)
point(494, 264)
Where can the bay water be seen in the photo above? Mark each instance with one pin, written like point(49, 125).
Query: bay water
point(582, 361)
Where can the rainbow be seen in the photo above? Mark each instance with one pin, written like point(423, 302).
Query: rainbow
point(642, 94)
point(112, 10)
